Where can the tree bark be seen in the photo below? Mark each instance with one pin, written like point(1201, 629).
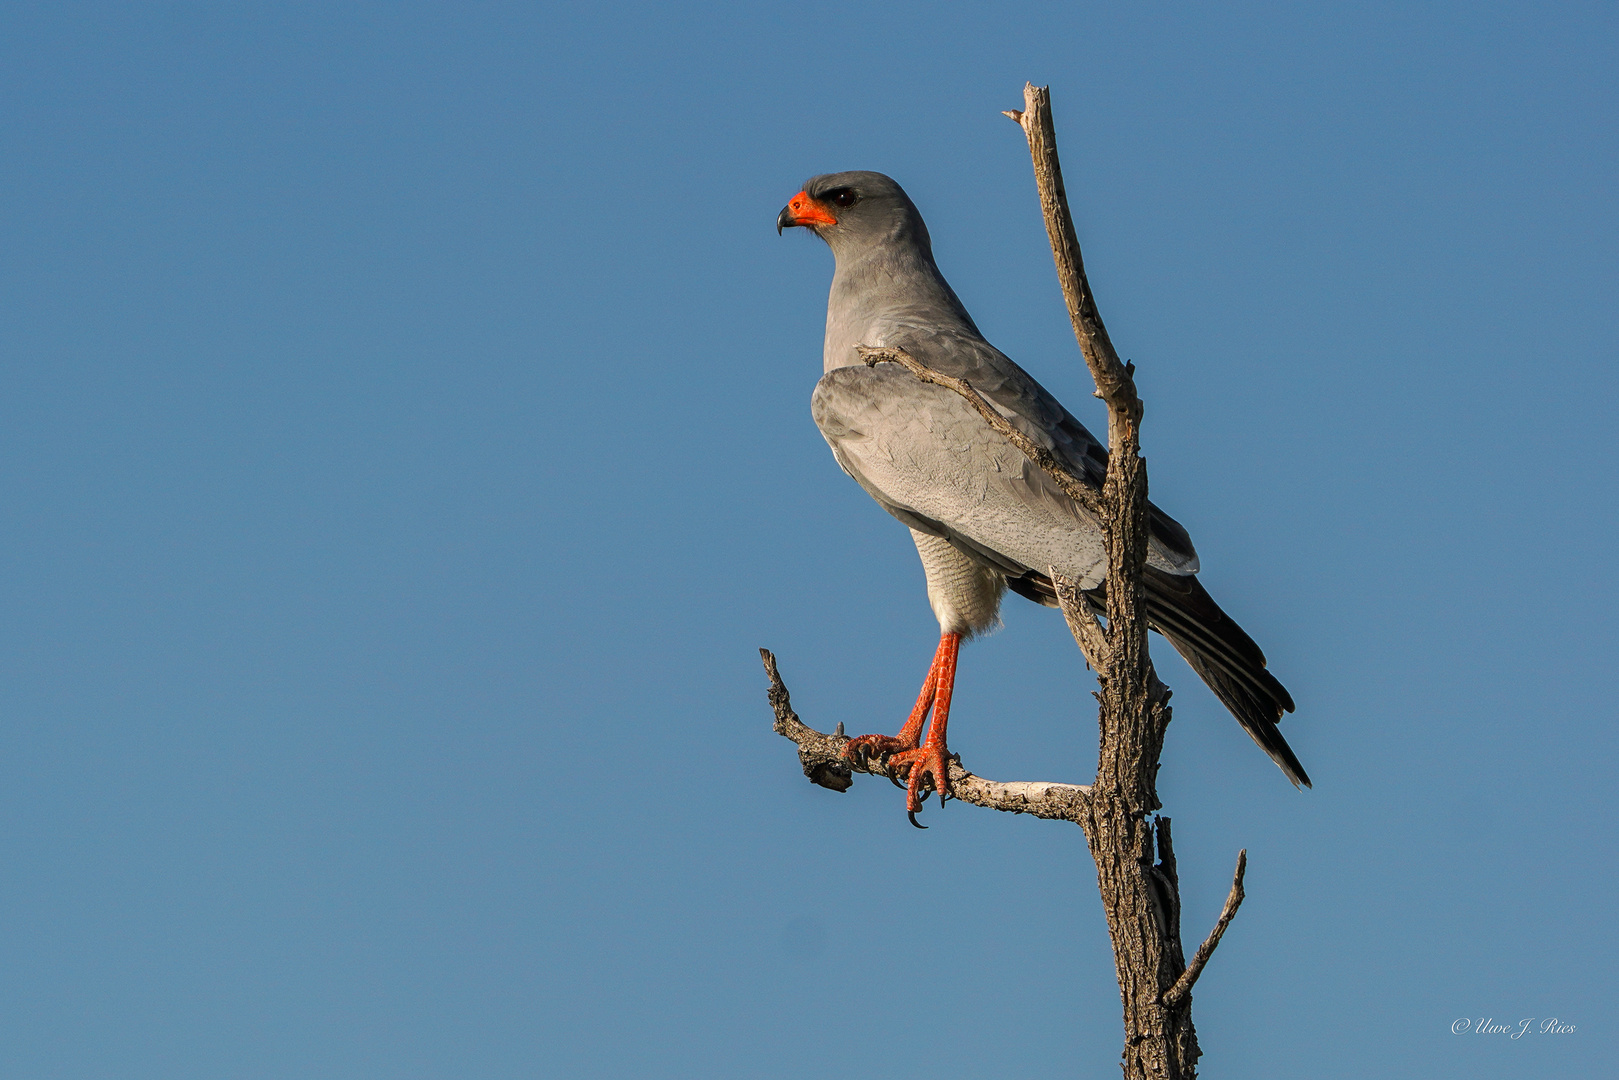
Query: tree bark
point(1135, 859)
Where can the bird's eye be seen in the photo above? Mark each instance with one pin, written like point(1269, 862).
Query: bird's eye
point(844, 197)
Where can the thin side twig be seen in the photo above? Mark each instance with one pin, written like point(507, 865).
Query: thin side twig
point(1072, 486)
point(1233, 901)
point(1082, 621)
point(1114, 383)
point(824, 763)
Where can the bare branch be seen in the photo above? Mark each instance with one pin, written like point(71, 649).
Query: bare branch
point(1141, 899)
point(1072, 486)
point(824, 763)
point(1114, 383)
point(1233, 901)
point(1082, 621)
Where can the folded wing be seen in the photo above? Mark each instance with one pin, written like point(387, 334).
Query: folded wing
point(933, 463)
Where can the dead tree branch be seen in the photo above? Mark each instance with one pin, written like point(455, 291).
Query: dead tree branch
point(824, 763)
point(1141, 898)
point(1088, 633)
point(1114, 381)
point(1233, 901)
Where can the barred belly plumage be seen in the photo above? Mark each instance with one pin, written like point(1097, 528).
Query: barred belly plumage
point(965, 594)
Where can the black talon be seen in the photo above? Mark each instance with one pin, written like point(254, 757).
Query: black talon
point(912, 815)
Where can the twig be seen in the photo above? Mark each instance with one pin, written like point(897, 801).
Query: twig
point(1082, 621)
point(824, 763)
point(1114, 383)
point(1072, 486)
point(1233, 901)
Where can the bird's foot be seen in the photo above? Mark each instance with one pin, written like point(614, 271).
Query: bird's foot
point(925, 769)
point(866, 748)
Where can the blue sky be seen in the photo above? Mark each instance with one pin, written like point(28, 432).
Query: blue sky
point(405, 447)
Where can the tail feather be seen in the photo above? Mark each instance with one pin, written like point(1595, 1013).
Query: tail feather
point(1180, 604)
point(1226, 659)
point(1215, 647)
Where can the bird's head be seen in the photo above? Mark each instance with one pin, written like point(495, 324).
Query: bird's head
point(854, 210)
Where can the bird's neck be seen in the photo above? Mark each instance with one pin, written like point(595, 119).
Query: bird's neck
point(877, 298)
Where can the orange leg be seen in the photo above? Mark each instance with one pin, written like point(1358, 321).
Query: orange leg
point(906, 753)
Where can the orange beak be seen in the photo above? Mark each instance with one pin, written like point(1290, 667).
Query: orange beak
point(803, 210)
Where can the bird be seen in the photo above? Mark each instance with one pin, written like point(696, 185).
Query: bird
point(984, 518)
